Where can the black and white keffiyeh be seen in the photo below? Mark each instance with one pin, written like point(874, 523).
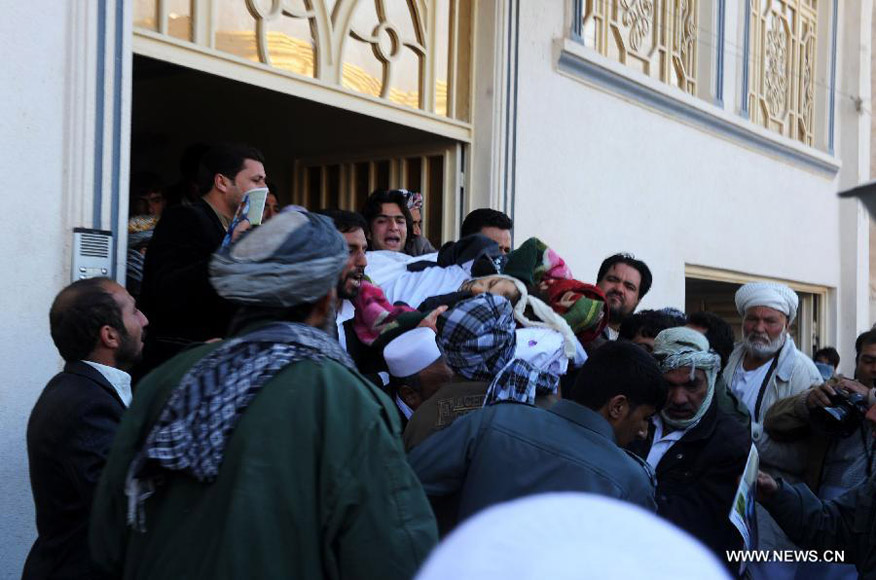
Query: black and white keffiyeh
point(200, 415)
point(520, 382)
point(477, 336)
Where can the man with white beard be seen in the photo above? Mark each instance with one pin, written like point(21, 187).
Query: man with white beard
point(764, 368)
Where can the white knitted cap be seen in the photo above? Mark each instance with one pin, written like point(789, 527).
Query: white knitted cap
point(411, 352)
point(567, 536)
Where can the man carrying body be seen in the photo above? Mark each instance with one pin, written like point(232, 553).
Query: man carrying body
point(176, 293)
point(98, 331)
point(416, 370)
point(625, 281)
point(490, 222)
point(510, 450)
point(387, 216)
point(764, 368)
point(697, 450)
point(266, 455)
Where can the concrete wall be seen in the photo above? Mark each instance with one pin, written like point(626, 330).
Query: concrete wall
point(597, 174)
point(65, 126)
point(36, 243)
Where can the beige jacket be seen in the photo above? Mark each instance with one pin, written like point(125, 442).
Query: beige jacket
point(794, 373)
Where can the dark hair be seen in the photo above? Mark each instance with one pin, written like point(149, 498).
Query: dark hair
point(224, 159)
point(863, 340)
point(648, 323)
point(620, 368)
point(144, 182)
point(375, 201)
point(78, 313)
point(484, 218)
point(632, 262)
point(345, 221)
point(718, 332)
point(830, 354)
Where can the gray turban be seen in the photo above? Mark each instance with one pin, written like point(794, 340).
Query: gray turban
point(770, 294)
point(675, 348)
point(294, 258)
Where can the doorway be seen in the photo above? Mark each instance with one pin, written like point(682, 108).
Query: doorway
point(316, 155)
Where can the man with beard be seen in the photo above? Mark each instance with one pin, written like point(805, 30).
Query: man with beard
point(697, 449)
point(352, 226)
point(764, 368)
point(266, 455)
point(625, 281)
point(98, 331)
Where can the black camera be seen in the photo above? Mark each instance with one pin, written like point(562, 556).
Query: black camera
point(843, 416)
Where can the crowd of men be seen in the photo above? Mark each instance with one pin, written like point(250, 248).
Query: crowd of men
point(328, 395)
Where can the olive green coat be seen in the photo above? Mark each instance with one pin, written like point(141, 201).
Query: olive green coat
point(314, 484)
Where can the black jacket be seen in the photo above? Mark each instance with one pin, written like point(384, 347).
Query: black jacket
point(698, 476)
point(176, 294)
point(69, 434)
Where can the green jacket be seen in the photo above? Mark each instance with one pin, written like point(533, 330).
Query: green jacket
point(314, 484)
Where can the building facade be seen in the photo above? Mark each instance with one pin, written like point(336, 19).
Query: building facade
point(708, 137)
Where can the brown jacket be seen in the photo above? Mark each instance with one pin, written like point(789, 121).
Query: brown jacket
point(450, 402)
point(788, 420)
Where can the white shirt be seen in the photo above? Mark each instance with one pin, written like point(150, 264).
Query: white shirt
point(119, 379)
point(345, 313)
point(662, 443)
point(746, 385)
point(407, 411)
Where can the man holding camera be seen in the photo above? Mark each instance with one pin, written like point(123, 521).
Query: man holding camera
point(846, 523)
point(840, 446)
point(830, 418)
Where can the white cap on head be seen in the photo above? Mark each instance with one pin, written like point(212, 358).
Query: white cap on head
point(769, 294)
point(569, 535)
point(411, 352)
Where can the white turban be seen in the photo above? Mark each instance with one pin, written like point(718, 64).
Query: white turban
point(776, 296)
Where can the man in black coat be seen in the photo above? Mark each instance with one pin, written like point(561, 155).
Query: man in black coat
point(176, 292)
point(98, 330)
point(697, 449)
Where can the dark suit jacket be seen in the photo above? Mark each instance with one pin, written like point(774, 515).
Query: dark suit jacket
point(697, 478)
point(69, 435)
point(176, 294)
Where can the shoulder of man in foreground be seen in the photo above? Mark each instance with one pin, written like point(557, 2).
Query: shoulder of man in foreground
point(354, 432)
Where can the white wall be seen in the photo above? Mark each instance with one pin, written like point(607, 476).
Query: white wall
point(597, 174)
point(35, 243)
point(49, 120)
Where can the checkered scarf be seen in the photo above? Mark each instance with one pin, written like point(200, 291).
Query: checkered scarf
point(520, 381)
point(200, 415)
point(477, 336)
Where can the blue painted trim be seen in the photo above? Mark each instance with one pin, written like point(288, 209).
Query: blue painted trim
point(583, 68)
point(719, 65)
point(508, 65)
point(746, 53)
point(832, 114)
point(99, 114)
point(118, 60)
point(514, 144)
point(577, 18)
